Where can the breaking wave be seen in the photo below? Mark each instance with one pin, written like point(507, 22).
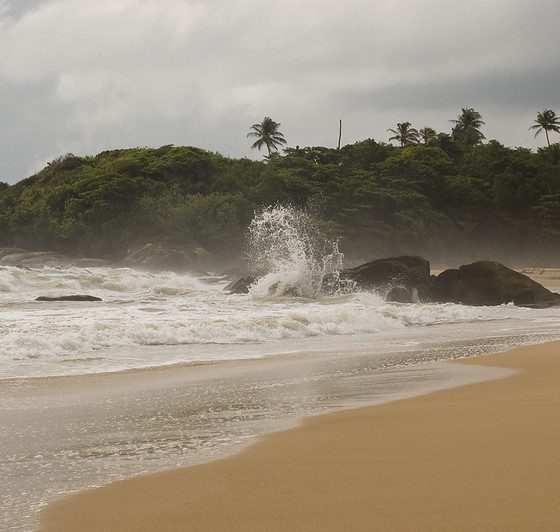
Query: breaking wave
point(299, 295)
point(142, 309)
point(290, 256)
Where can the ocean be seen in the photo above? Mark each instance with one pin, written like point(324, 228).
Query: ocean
point(156, 319)
point(169, 369)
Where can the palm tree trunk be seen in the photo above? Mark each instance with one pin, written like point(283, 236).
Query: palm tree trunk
point(547, 139)
point(339, 133)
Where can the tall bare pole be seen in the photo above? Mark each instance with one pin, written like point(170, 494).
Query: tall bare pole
point(339, 133)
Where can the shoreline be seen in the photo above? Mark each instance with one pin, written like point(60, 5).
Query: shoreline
point(55, 390)
point(324, 475)
point(66, 435)
point(19, 384)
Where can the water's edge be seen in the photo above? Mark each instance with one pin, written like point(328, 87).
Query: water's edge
point(137, 423)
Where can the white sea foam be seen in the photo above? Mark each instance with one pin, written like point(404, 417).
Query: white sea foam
point(291, 256)
point(298, 295)
point(166, 309)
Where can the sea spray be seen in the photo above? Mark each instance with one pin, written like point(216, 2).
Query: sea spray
point(290, 256)
point(144, 314)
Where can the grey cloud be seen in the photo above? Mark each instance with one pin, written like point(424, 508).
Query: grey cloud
point(19, 7)
point(532, 89)
point(84, 76)
point(32, 127)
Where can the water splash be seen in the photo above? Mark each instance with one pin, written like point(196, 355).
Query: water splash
point(290, 256)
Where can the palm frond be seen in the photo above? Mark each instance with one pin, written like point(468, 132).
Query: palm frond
point(268, 134)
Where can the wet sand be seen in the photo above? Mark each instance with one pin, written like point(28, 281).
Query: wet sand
point(481, 456)
point(60, 435)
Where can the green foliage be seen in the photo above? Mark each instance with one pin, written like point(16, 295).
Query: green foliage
point(427, 135)
point(216, 221)
point(267, 134)
point(546, 121)
point(404, 134)
point(467, 128)
point(439, 197)
point(418, 167)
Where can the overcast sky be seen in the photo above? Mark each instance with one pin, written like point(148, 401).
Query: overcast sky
point(82, 76)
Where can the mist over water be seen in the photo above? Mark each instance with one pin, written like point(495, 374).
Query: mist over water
point(151, 319)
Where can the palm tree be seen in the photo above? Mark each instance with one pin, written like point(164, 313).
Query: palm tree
point(427, 135)
point(267, 134)
point(467, 127)
point(546, 121)
point(405, 134)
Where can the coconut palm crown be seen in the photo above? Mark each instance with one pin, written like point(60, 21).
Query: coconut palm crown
point(427, 135)
point(267, 134)
point(467, 127)
point(405, 134)
point(546, 121)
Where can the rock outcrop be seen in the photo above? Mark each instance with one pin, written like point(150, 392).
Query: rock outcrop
point(157, 256)
point(399, 294)
point(69, 298)
point(407, 279)
point(490, 283)
point(23, 258)
point(408, 271)
point(240, 286)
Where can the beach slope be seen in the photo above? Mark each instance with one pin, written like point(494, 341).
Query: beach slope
point(482, 456)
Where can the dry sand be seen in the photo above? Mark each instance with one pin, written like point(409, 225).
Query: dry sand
point(548, 277)
point(480, 457)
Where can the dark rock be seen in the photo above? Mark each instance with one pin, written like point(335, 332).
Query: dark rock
point(69, 298)
point(399, 294)
point(524, 298)
point(285, 289)
point(24, 259)
point(489, 283)
point(157, 256)
point(406, 271)
point(240, 286)
point(448, 276)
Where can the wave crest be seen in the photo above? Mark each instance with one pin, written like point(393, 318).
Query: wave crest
point(291, 256)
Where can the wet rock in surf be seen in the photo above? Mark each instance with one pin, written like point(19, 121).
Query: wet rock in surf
point(284, 289)
point(399, 294)
point(410, 272)
point(240, 286)
point(290, 256)
point(69, 298)
point(21, 258)
point(490, 283)
point(158, 256)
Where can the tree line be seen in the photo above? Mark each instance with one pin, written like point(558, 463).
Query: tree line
point(466, 130)
point(449, 197)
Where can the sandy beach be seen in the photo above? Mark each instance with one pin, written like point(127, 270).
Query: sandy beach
point(481, 456)
point(549, 277)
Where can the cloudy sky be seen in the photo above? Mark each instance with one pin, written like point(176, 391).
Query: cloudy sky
point(81, 76)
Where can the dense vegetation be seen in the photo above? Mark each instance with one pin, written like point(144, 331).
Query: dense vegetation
point(445, 196)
